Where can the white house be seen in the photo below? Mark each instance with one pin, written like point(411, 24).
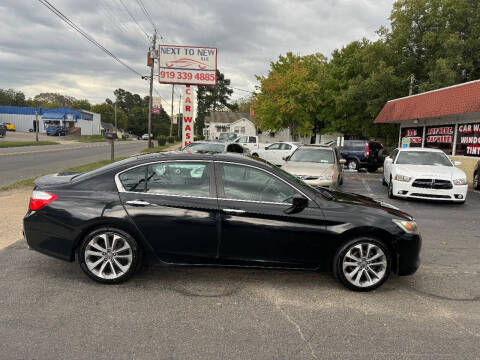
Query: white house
point(218, 122)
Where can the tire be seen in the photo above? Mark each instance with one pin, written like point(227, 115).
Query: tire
point(476, 181)
point(340, 183)
point(372, 168)
point(384, 182)
point(353, 164)
point(114, 265)
point(362, 272)
point(255, 155)
point(390, 189)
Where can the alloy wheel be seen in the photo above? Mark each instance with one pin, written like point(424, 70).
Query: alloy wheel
point(364, 265)
point(108, 256)
point(352, 165)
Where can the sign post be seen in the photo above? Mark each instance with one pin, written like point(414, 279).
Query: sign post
point(187, 65)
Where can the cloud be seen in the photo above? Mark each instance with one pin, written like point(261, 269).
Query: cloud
point(39, 52)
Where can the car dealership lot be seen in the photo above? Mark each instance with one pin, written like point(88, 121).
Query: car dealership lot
point(49, 309)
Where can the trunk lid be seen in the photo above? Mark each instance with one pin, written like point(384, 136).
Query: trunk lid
point(55, 179)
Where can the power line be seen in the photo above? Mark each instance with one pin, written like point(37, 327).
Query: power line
point(135, 20)
point(241, 89)
point(64, 18)
point(144, 9)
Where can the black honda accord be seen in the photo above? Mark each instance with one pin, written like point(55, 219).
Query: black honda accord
point(204, 209)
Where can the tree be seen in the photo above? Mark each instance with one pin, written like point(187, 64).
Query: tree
point(213, 98)
point(244, 104)
point(107, 112)
point(289, 96)
point(52, 100)
point(82, 104)
point(10, 97)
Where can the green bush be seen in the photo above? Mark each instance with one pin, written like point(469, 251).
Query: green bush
point(199, 138)
point(162, 140)
point(171, 139)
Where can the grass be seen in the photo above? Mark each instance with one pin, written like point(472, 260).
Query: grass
point(158, 148)
point(8, 144)
point(80, 168)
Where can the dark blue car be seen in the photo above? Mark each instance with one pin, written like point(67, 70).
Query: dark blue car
point(362, 154)
point(56, 131)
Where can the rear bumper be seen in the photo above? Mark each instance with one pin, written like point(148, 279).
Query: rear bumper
point(403, 189)
point(408, 251)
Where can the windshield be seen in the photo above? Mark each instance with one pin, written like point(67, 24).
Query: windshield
point(423, 158)
point(205, 147)
point(323, 156)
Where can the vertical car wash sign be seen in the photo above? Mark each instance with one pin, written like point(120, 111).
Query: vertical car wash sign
point(189, 65)
point(188, 116)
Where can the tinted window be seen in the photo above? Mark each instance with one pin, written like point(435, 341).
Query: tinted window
point(246, 183)
point(252, 139)
point(182, 178)
point(286, 147)
point(324, 156)
point(423, 158)
point(243, 139)
point(134, 179)
point(205, 147)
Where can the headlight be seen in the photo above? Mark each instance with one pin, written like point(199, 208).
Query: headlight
point(329, 176)
point(403, 178)
point(410, 227)
point(462, 181)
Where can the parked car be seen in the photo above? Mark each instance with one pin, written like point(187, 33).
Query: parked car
point(476, 175)
point(3, 130)
point(10, 126)
point(317, 165)
point(215, 147)
point(56, 131)
point(145, 136)
point(424, 174)
point(362, 154)
point(252, 143)
point(227, 137)
point(276, 152)
point(204, 209)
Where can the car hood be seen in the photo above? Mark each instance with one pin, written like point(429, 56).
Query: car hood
point(308, 168)
point(365, 201)
point(430, 172)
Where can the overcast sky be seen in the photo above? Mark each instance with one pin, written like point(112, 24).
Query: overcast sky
point(40, 53)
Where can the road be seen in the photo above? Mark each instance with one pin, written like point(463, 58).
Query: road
point(49, 309)
point(27, 162)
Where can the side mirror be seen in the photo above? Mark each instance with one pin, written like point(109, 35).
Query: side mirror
point(286, 158)
point(342, 161)
point(457, 163)
point(298, 204)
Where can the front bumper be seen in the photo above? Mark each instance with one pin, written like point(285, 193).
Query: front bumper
point(404, 189)
point(321, 183)
point(408, 252)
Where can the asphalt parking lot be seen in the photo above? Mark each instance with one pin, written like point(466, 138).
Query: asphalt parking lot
point(49, 309)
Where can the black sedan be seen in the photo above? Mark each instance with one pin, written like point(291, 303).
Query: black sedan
point(203, 209)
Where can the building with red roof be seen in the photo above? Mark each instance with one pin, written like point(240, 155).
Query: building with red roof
point(447, 118)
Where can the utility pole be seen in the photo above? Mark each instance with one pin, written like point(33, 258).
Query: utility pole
point(115, 111)
point(36, 125)
point(150, 145)
point(171, 119)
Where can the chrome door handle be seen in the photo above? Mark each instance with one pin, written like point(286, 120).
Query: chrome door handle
point(138, 203)
point(234, 211)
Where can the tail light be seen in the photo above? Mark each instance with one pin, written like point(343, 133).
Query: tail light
point(367, 150)
point(40, 199)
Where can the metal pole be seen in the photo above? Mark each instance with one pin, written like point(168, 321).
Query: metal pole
point(112, 152)
point(171, 118)
point(116, 129)
point(150, 144)
point(179, 134)
point(36, 125)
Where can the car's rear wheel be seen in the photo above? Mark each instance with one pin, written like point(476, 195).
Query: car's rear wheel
point(390, 189)
point(476, 181)
point(109, 255)
point(384, 182)
point(362, 264)
point(372, 168)
point(255, 155)
point(352, 164)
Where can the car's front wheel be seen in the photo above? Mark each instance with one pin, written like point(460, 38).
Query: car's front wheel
point(109, 255)
point(390, 189)
point(352, 164)
point(362, 264)
point(476, 181)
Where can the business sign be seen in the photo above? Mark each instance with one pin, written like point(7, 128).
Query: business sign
point(156, 105)
point(468, 139)
point(440, 135)
point(405, 142)
point(188, 65)
point(414, 135)
point(188, 116)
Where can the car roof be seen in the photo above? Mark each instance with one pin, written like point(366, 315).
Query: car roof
point(421, 149)
point(212, 142)
point(318, 146)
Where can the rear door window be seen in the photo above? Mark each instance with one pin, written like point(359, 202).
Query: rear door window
point(134, 179)
point(179, 178)
point(252, 139)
